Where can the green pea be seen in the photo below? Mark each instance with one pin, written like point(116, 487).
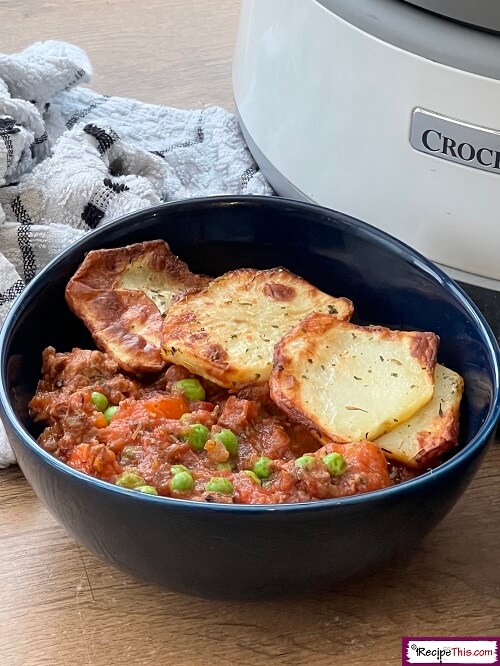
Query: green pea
point(304, 461)
point(177, 469)
point(229, 439)
point(130, 480)
point(99, 400)
point(149, 490)
point(226, 467)
point(262, 468)
point(129, 452)
point(335, 463)
point(110, 412)
point(218, 484)
point(252, 476)
point(191, 388)
point(181, 482)
point(197, 436)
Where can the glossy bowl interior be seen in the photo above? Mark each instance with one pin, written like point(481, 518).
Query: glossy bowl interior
point(160, 539)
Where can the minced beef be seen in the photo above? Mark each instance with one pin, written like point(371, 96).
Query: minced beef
point(148, 436)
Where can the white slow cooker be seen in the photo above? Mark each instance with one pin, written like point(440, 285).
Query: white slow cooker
point(384, 110)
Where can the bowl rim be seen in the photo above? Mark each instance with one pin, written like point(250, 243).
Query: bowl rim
point(323, 215)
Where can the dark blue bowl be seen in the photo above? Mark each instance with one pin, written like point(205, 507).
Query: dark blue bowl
point(234, 550)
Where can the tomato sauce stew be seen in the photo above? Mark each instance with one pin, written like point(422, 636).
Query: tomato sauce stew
point(180, 436)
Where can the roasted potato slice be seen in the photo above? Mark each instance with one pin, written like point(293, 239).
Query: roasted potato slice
point(122, 295)
point(349, 382)
point(433, 430)
point(226, 332)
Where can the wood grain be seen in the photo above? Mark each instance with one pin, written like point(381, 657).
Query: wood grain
point(172, 52)
point(61, 606)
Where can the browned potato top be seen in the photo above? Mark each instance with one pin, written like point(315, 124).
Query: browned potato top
point(226, 331)
point(122, 295)
point(351, 382)
point(433, 430)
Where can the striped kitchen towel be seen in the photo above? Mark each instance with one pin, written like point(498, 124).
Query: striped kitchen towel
point(72, 160)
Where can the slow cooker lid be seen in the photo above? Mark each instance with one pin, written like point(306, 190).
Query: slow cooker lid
point(423, 33)
point(484, 14)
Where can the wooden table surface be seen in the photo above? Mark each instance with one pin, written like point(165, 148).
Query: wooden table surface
point(59, 605)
